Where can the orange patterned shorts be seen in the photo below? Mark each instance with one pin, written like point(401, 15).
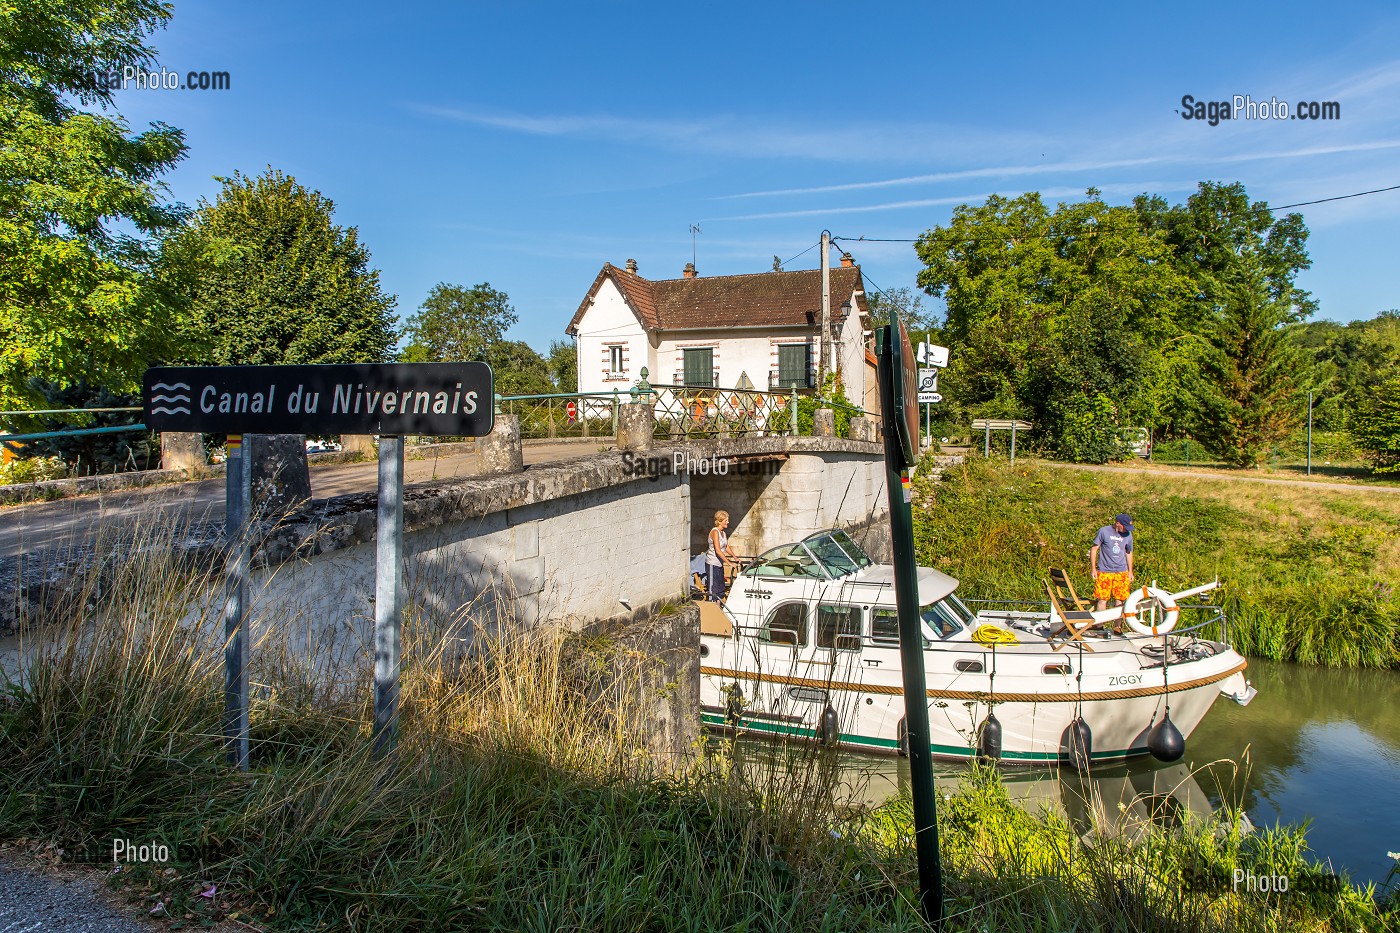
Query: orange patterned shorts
point(1111, 586)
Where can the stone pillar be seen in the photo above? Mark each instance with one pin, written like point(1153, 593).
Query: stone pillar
point(180, 450)
point(636, 422)
point(861, 429)
point(824, 423)
point(281, 479)
point(361, 445)
point(500, 451)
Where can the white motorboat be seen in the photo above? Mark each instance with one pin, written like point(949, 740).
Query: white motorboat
point(808, 646)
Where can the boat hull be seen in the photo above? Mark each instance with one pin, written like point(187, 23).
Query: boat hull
point(869, 712)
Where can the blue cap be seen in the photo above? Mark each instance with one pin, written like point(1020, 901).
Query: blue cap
point(1125, 520)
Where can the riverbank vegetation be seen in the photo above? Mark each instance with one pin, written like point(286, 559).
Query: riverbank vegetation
point(1306, 574)
point(518, 799)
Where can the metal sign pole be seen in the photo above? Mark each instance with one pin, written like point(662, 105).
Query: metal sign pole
point(388, 593)
point(236, 507)
point(893, 402)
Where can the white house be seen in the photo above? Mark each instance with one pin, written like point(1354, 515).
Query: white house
point(759, 331)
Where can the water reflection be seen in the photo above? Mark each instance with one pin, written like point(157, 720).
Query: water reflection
point(1317, 746)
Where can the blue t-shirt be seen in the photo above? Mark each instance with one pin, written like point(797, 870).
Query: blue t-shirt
point(1113, 549)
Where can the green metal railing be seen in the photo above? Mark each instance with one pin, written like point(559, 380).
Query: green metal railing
point(704, 411)
point(568, 414)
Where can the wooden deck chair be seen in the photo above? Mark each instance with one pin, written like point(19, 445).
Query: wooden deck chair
point(1073, 623)
point(1065, 596)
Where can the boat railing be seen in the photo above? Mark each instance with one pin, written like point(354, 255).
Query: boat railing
point(1213, 623)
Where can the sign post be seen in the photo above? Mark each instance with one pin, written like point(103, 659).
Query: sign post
point(388, 593)
point(236, 507)
point(899, 403)
point(390, 400)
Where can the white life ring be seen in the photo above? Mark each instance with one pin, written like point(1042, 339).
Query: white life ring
point(1164, 599)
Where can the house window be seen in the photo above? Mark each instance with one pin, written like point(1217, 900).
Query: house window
point(699, 369)
point(615, 360)
point(794, 364)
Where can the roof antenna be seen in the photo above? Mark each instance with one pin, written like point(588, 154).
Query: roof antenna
point(694, 229)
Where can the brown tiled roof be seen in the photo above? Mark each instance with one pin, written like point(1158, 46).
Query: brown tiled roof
point(765, 299)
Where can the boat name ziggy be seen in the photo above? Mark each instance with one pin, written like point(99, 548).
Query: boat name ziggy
point(1123, 680)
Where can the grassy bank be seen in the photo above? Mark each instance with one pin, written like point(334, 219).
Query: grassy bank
point(1306, 574)
point(517, 801)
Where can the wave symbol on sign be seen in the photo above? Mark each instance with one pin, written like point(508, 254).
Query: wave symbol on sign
point(174, 400)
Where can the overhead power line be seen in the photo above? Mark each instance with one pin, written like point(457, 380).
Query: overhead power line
point(1280, 207)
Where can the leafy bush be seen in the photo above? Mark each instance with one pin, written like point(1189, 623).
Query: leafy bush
point(32, 470)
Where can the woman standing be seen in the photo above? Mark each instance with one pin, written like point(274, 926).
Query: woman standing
point(715, 556)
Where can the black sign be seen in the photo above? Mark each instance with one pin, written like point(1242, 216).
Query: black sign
point(361, 398)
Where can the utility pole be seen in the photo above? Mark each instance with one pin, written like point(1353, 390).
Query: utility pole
point(826, 310)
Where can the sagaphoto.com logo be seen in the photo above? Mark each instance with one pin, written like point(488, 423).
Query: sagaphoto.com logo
point(1245, 107)
point(132, 78)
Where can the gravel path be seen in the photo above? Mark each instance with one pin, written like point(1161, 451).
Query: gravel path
point(39, 903)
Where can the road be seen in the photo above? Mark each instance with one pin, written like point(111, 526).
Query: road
point(42, 525)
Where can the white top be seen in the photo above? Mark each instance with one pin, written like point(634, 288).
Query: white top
point(713, 559)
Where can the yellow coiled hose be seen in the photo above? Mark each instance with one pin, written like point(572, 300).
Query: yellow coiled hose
point(990, 635)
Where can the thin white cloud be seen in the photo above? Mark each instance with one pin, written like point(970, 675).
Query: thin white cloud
point(1126, 188)
point(752, 137)
point(1012, 171)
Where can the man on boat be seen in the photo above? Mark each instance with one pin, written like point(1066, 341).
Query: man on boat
point(1111, 563)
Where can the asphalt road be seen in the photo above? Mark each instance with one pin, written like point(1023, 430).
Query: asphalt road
point(43, 525)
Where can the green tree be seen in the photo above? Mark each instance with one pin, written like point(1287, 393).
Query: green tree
point(563, 365)
point(271, 279)
point(518, 369)
point(458, 323)
point(1235, 378)
point(1349, 361)
point(910, 305)
point(81, 204)
point(1053, 316)
point(1246, 387)
point(1375, 424)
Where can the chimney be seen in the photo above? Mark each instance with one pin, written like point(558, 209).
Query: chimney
point(847, 261)
point(689, 270)
point(632, 266)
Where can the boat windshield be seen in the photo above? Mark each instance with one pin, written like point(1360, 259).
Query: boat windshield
point(837, 553)
point(947, 617)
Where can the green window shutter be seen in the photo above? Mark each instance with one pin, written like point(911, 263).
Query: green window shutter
point(792, 364)
point(699, 367)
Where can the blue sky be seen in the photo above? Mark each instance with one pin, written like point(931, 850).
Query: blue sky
point(525, 143)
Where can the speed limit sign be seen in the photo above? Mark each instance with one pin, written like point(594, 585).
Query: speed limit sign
point(928, 380)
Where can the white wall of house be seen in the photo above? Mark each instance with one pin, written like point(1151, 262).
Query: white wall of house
point(735, 352)
point(607, 324)
point(610, 324)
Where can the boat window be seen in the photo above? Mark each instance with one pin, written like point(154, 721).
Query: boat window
point(884, 627)
point(809, 695)
point(838, 627)
point(838, 554)
point(942, 618)
point(968, 667)
point(1058, 668)
point(786, 625)
point(790, 560)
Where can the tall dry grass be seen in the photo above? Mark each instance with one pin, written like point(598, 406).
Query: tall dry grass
point(521, 795)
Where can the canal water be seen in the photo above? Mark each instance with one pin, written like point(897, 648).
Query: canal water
point(1316, 747)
